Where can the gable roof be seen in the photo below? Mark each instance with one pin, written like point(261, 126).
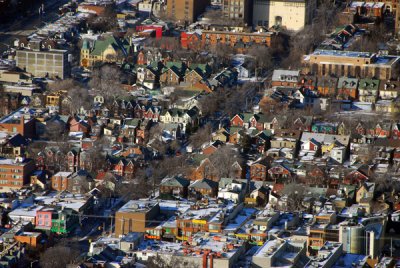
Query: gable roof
point(204, 184)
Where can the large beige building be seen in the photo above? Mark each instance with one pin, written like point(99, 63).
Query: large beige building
point(42, 63)
point(351, 63)
point(290, 14)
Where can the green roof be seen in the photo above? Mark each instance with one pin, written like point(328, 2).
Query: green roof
point(117, 44)
point(369, 83)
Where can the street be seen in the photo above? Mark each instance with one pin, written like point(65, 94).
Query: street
point(25, 26)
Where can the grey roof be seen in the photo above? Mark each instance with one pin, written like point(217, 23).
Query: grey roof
point(325, 138)
point(286, 75)
point(175, 182)
point(204, 184)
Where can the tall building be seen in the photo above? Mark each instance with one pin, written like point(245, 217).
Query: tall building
point(239, 10)
point(42, 62)
point(15, 173)
point(186, 10)
point(290, 14)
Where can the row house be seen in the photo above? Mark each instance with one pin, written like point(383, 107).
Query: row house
point(258, 121)
point(347, 88)
point(121, 166)
point(173, 73)
point(180, 116)
point(368, 90)
point(78, 182)
point(259, 169)
point(389, 90)
point(149, 112)
point(212, 37)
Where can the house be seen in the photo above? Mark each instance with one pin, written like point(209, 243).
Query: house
point(280, 173)
point(204, 168)
point(20, 121)
point(60, 181)
point(285, 78)
point(203, 188)
point(259, 168)
point(176, 186)
point(286, 138)
point(172, 73)
point(183, 117)
point(80, 182)
point(365, 191)
point(221, 135)
point(347, 88)
point(327, 86)
point(389, 90)
point(232, 191)
point(368, 90)
point(59, 220)
point(148, 76)
point(190, 40)
point(77, 124)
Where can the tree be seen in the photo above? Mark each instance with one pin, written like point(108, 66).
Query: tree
point(55, 131)
point(224, 158)
point(58, 256)
point(96, 158)
point(295, 194)
point(201, 136)
point(263, 58)
point(79, 98)
point(209, 104)
point(106, 81)
point(160, 261)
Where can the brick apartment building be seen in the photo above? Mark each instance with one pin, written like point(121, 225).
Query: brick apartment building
point(20, 122)
point(135, 216)
point(14, 173)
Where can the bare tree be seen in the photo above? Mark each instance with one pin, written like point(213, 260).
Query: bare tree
point(96, 158)
point(171, 262)
point(79, 98)
point(58, 256)
point(202, 135)
point(106, 80)
point(224, 158)
point(55, 131)
point(262, 56)
point(295, 194)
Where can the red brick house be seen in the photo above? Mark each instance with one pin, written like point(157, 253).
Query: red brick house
point(78, 125)
point(258, 169)
point(280, 174)
point(237, 121)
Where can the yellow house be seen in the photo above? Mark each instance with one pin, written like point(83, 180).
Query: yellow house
point(387, 106)
point(105, 49)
